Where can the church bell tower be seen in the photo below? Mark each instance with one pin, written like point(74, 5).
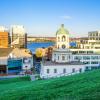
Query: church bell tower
point(62, 38)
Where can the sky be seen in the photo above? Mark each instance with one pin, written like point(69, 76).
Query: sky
point(44, 17)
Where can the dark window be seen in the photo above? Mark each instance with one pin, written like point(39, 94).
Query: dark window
point(64, 70)
point(63, 38)
point(63, 46)
point(80, 70)
point(63, 57)
point(48, 71)
point(55, 70)
point(58, 57)
point(73, 70)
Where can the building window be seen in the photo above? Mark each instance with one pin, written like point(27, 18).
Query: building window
point(63, 57)
point(63, 46)
point(73, 70)
point(64, 70)
point(86, 57)
point(55, 70)
point(94, 57)
point(63, 38)
point(58, 39)
point(58, 57)
point(94, 62)
point(86, 62)
point(48, 71)
point(80, 70)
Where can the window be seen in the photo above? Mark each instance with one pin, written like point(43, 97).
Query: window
point(63, 57)
point(64, 70)
point(73, 70)
point(58, 57)
point(78, 58)
point(96, 34)
point(94, 62)
point(55, 70)
point(80, 70)
point(48, 71)
point(63, 38)
point(63, 46)
point(94, 57)
point(86, 62)
point(86, 57)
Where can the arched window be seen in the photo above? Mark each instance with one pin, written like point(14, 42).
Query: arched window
point(58, 39)
point(63, 46)
point(63, 38)
point(63, 57)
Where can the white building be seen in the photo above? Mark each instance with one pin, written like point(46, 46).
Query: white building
point(93, 41)
point(62, 58)
point(3, 29)
point(19, 36)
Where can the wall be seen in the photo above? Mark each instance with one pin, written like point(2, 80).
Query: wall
point(4, 39)
point(60, 70)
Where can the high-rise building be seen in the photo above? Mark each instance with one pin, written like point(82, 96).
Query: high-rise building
point(94, 35)
point(3, 29)
point(19, 36)
point(4, 37)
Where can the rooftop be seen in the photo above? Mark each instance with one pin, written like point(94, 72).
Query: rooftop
point(21, 52)
point(50, 63)
point(4, 52)
point(62, 30)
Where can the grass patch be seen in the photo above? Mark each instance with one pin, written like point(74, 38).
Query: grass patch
point(13, 80)
point(84, 86)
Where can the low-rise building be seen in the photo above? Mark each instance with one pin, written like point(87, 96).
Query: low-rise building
point(13, 61)
point(68, 61)
point(62, 62)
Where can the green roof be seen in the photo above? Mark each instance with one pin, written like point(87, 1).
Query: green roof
point(62, 30)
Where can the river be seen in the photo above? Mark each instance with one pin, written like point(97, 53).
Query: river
point(34, 45)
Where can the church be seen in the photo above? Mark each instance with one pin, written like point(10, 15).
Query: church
point(62, 63)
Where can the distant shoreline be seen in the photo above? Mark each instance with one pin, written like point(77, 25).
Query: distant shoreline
point(40, 42)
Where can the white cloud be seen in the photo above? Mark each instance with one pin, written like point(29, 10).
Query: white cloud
point(66, 17)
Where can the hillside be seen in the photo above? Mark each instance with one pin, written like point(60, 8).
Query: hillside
point(84, 86)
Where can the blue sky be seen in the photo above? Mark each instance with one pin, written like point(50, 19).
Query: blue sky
point(43, 17)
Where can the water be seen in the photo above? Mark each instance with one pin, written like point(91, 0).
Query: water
point(34, 45)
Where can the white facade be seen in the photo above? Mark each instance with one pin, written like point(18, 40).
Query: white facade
point(93, 41)
point(60, 70)
point(18, 29)
point(62, 38)
point(62, 59)
point(62, 55)
point(3, 29)
point(90, 60)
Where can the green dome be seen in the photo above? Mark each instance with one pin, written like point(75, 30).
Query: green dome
point(62, 30)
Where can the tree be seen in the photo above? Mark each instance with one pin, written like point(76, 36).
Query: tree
point(39, 52)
